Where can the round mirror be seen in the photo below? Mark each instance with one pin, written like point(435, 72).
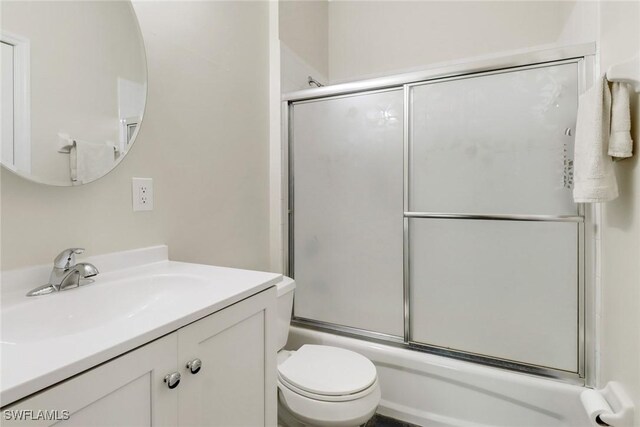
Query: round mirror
point(74, 86)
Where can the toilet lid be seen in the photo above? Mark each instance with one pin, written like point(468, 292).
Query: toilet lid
point(329, 371)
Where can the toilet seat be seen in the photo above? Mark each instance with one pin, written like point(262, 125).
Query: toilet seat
point(325, 398)
point(328, 374)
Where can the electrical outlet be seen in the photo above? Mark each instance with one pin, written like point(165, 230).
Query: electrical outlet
point(142, 192)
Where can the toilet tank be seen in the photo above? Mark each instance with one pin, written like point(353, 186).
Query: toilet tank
point(285, 308)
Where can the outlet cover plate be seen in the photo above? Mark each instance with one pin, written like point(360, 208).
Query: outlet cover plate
point(142, 194)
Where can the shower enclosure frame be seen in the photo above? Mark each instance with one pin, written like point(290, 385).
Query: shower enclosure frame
point(586, 220)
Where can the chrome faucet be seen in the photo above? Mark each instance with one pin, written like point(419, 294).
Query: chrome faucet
point(66, 273)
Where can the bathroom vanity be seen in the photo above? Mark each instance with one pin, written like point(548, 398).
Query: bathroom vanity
point(154, 342)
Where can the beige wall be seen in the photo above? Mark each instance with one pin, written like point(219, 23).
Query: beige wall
point(373, 38)
point(347, 40)
point(304, 29)
point(620, 317)
point(295, 71)
point(204, 141)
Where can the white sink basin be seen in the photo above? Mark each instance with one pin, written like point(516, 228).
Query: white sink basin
point(97, 305)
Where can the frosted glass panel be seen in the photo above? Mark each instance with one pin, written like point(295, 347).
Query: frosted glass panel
point(348, 209)
point(495, 143)
point(499, 288)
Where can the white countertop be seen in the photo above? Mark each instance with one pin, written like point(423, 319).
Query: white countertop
point(137, 297)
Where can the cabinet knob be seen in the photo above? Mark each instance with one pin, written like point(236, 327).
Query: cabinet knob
point(172, 380)
point(194, 365)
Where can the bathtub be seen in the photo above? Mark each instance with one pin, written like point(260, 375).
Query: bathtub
point(430, 390)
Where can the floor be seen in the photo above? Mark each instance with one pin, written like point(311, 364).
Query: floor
point(382, 421)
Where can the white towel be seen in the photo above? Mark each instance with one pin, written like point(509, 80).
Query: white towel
point(594, 176)
point(89, 161)
point(620, 142)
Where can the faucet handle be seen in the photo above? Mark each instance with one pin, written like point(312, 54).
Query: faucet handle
point(67, 258)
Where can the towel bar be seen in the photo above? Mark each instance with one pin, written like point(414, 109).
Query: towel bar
point(65, 143)
point(626, 72)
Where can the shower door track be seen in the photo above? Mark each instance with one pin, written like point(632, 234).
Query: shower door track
point(581, 54)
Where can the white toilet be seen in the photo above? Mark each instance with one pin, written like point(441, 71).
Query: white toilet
point(319, 385)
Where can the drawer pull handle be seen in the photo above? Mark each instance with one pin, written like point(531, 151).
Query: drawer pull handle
point(172, 380)
point(194, 366)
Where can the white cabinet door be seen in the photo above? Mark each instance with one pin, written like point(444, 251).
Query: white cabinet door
point(236, 384)
point(127, 391)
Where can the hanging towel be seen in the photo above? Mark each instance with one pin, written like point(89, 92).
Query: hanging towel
point(620, 142)
point(89, 160)
point(594, 177)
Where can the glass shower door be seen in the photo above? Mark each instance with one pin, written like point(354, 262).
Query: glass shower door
point(346, 158)
point(494, 235)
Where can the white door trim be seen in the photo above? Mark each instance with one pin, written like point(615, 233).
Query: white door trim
point(22, 100)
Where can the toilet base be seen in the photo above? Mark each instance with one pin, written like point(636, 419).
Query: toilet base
point(286, 419)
